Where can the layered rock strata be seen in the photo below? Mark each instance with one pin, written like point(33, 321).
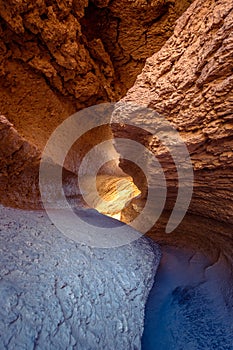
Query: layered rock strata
point(189, 82)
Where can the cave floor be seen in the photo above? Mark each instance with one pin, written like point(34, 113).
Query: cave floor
point(190, 304)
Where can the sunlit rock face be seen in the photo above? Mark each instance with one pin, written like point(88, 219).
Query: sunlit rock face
point(115, 193)
point(52, 64)
point(58, 294)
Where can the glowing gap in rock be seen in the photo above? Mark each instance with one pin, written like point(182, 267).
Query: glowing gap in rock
point(115, 216)
point(115, 194)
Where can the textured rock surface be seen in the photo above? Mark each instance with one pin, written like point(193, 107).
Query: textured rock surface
point(53, 62)
point(72, 44)
point(19, 162)
point(57, 57)
point(189, 81)
point(60, 56)
point(191, 302)
point(131, 31)
point(47, 69)
point(118, 190)
point(57, 294)
point(19, 175)
point(48, 38)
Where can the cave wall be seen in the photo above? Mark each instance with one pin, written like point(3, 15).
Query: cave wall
point(57, 57)
point(131, 31)
point(47, 47)
point(189, 82)
point(48, 69)
point(60, 56)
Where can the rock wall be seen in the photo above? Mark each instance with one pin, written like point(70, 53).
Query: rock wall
point(81, 48)
point(19, 176)
point(131, 31)
point(60, 56)
point(189, 82)
point(19, 162)
point(48, 70)
point(57, 57)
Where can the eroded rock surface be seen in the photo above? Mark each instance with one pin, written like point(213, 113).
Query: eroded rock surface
point(19, 175)
point(58, 294)
point(60, 56)
point(189, 82)
point(52, 64)
point(48, 38)
point(19, 163)
point(131, 31)
point(73, 43)
point(56, 59)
